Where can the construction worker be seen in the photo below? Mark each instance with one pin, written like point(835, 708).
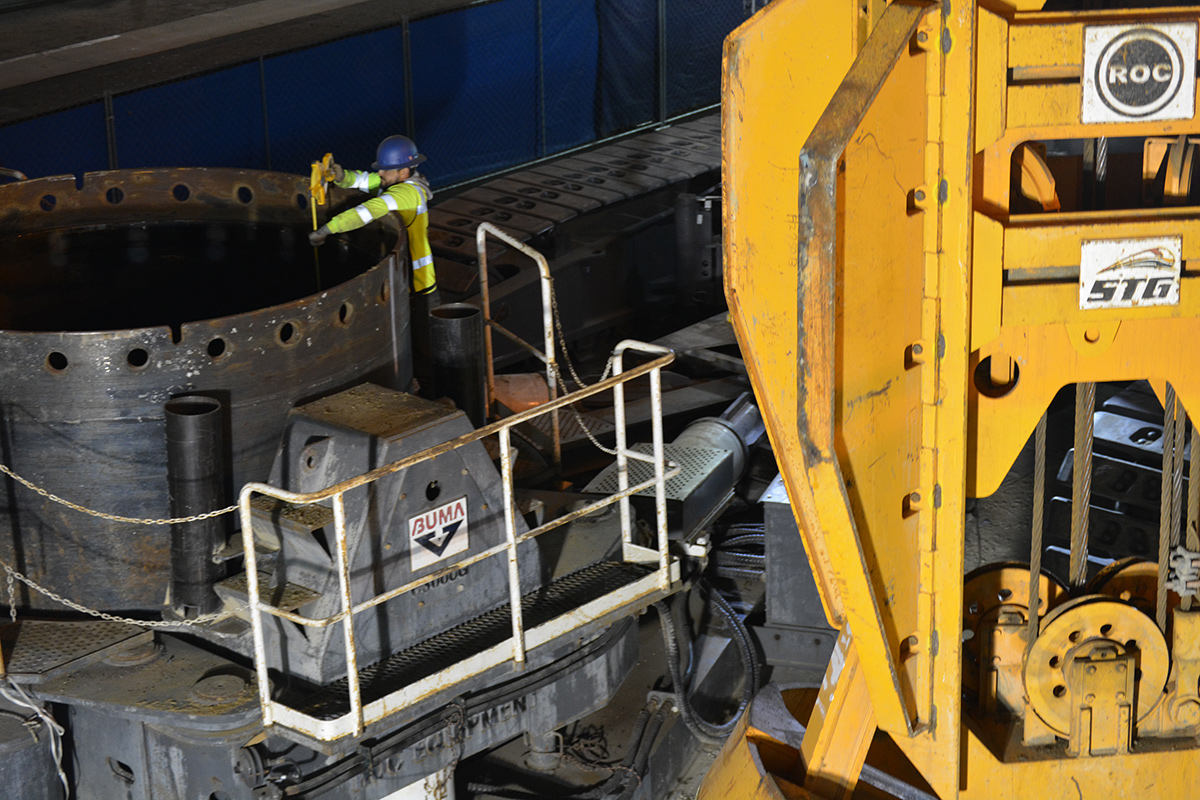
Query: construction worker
point(397, 188)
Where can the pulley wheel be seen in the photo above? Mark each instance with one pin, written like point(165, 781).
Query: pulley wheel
point(994, 589)
point(1133, 581)
point(1078, 628)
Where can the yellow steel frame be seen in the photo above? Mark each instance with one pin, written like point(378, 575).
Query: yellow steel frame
point(866, 178)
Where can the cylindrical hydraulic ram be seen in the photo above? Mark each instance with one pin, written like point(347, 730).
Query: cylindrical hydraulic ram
point(736, 430)
point(456, 345)
point(196, 477)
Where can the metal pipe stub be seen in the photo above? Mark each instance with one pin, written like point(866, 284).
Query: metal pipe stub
point(456, 353)
point(196, 478)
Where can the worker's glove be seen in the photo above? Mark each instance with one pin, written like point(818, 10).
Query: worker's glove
point(318, 237)
point(337, 172)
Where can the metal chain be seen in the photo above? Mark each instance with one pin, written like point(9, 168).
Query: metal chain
point(183, 623)
point(1165, 504)
point(562, 340)
point(1081, 489)
point(12, 597)
point(579, 417)
point(114, 517)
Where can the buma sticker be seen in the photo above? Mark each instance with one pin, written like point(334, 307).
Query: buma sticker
point(438, 534)
point(1126, 273)
point(1133, 73)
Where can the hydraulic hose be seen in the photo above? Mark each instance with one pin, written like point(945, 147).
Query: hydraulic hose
point(643, 754)
point(705, 731)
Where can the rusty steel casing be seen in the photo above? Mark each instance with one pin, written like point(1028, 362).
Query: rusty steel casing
point(133, 287)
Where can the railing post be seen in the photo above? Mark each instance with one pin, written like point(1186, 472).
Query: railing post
point(510, 528)
point(660, 488)
point(481, 232)
point(485, 297)
point(256, 623)
point(343, 566)
point(622, 458)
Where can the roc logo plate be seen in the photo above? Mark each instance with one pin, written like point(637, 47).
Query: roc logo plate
point(1128, 273)
point(1133, 73)
point(438, 534)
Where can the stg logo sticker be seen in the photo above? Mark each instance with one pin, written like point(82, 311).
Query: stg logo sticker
point(438, 534)
point(1128, 273)
point(1133, 73)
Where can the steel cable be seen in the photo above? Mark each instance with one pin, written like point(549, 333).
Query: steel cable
point(1165, 504)
point(1081, 485)
point(1035, 539)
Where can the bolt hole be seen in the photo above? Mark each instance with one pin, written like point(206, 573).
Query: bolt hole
point(114, 195)
point(1060, 691)
point(973, 608)
point(1105, 630)
point(1054, 662)
point(216, 348)
point(137, 358)
point(1004, 595)
point(288, 333)
point(244, 194)
point(1091, 335)
point(1131, 645)
point(121, 770)
point(301, 202)
point(987, 387)
point(1074, 637)
point(56, 361)
point(48, 202)
point(181, 192)
point(432, 491)
point(345, 313)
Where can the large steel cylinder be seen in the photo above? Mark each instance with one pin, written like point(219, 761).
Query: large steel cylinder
point(126, 288)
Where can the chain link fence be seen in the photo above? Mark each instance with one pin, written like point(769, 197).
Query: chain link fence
point(481, 89)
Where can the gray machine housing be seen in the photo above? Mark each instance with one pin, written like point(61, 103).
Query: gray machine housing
point(350, 433)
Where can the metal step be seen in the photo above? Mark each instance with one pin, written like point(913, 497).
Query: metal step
point(235, 592)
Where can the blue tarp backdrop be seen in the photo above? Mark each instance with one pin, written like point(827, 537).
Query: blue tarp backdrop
point(492, 85)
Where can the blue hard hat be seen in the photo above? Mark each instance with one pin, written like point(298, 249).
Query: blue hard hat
point(397, 152)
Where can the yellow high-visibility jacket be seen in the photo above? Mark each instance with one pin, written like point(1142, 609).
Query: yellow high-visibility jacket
point(410, 200)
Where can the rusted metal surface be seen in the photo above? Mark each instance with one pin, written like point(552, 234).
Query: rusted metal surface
point(204, 284)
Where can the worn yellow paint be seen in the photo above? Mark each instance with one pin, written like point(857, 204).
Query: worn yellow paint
point(773, 92)
point(896, 298)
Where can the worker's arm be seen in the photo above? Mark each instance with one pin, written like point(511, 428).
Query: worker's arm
point(353, 179)
point(364, 213)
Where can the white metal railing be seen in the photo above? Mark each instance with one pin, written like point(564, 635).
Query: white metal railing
point(657, 583)
point(545, 356)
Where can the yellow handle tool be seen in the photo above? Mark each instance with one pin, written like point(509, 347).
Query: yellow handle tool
point(322, 176)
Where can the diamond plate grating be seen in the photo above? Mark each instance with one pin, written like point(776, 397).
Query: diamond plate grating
point(569, 427)
point(37, 647)
point(695, 464)
point(461, 642)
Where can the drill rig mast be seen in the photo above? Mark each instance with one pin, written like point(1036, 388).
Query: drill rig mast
point(937, 216)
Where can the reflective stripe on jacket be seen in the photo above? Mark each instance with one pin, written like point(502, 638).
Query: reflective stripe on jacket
point(410, 200)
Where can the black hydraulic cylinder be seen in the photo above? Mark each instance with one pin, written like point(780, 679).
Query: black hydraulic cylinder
point(457, 356)
point(196, 477)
